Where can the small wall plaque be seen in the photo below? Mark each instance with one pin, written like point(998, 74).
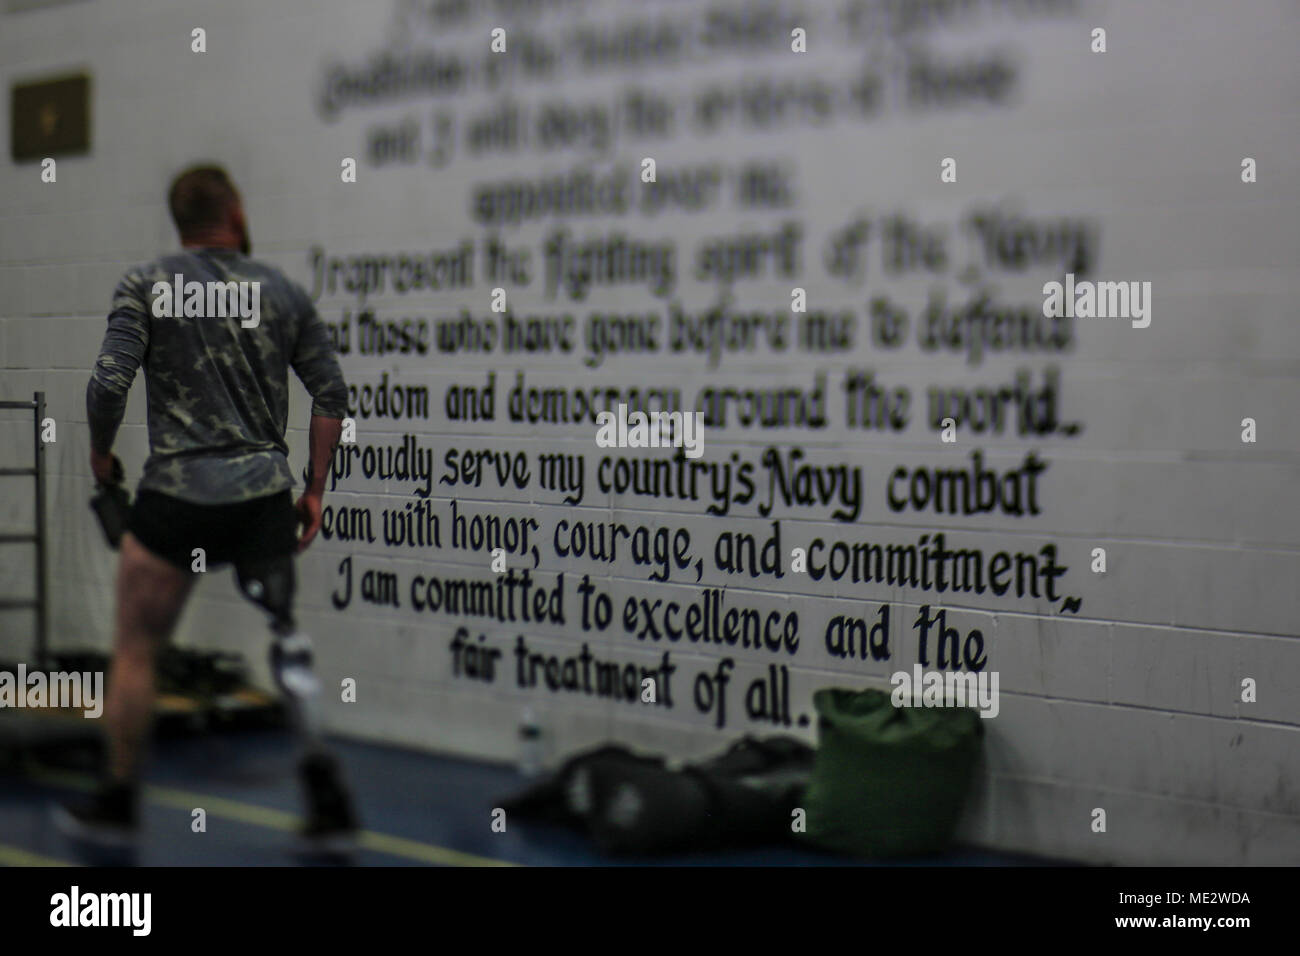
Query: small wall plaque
point(50, 118)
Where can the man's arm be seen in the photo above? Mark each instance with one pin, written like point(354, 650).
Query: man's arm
point(120, 356)
point(316, 365)
point(324, 437)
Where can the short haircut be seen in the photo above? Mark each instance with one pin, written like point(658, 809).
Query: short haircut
point(199, 198)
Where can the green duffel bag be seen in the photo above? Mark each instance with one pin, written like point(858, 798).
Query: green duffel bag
point(888, 781)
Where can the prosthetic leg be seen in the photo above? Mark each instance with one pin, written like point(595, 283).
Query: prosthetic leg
point(269, 583)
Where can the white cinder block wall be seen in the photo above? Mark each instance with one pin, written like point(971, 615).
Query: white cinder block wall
point(1132, 704)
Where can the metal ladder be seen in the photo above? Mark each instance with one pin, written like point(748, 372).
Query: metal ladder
point(41, 601)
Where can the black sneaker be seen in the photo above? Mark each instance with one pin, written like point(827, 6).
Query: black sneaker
point(331, 821)
point(108, 818)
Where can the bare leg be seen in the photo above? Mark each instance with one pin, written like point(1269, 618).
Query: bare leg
point(150, 596)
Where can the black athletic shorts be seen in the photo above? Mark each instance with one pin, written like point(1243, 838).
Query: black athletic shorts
point(228, 534)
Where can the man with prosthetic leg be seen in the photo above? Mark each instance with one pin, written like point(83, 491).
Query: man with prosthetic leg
point(217, 481)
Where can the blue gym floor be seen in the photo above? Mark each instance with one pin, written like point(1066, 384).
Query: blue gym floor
point(417, 809)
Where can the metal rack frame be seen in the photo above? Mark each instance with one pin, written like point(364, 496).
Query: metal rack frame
point(41, 601)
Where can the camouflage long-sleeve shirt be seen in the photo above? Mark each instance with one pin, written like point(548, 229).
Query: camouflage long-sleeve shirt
point(217, 387)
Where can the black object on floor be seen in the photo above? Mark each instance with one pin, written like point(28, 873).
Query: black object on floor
point(108, 817)
point(633, 803)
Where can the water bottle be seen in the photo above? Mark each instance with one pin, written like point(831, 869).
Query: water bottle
point(530, 744)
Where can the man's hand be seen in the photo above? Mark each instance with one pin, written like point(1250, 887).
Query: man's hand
point(323, 437)
point(101, 466)
point(309, 516)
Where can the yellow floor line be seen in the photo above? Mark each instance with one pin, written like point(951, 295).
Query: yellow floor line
point(13, 856)
point(275, 820)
